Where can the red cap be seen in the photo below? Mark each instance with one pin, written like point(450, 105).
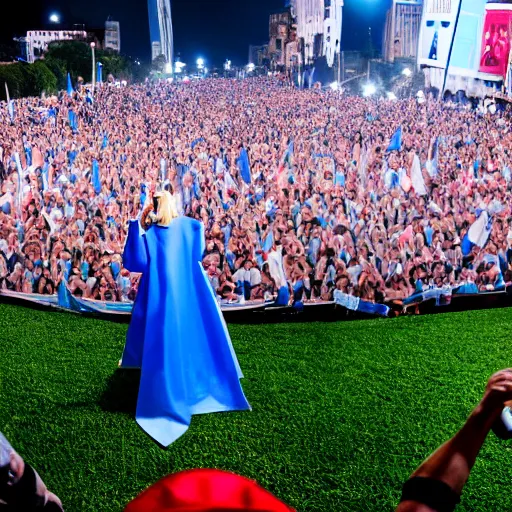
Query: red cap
point(206, 490)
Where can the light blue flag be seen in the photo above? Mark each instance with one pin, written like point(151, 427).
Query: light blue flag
point(45, 176)
point(72, 120)
point(288, 155)
point(435, 158)
point(478, 234)
point(244, 166)
point(96, 182)
point(99, 73)
point(10, 109)
point(70, 89)
point(396, 141)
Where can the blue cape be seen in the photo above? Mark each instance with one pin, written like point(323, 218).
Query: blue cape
point(177, 335)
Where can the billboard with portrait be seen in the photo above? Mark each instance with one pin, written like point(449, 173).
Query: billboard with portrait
point(437, 31)
point(496, 38)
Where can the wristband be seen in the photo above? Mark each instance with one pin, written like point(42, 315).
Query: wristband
point(433, 493)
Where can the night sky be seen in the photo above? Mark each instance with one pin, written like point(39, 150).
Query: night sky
point(213, 29)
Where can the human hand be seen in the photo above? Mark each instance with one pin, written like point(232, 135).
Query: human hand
point(498, 391)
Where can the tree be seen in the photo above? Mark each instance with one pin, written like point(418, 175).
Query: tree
point(13, 76)
point(58, 68)
point(159, 64)
point(74, 56)
point(114, 64)
point(40, 79)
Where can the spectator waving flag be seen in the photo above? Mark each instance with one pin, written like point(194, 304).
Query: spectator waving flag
point(244, 166)
point(396, 141)
point(478, 233)
point(96, 182)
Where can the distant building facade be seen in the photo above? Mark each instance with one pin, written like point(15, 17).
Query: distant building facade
point(318, 28)
point(258, 55)
point(279, 32)
point(36, 42)
point(402, 31)
point(160, 28)
point(112, 35)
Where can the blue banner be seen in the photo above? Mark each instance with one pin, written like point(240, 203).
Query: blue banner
point(96, 181)
point(244, 166)
point(70, 89)
point(72, 120)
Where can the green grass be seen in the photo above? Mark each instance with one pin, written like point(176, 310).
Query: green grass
point(342, 413)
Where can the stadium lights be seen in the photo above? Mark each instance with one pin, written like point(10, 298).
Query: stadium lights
point(407, 72)
point(391, 96)
point(54, 18)
point(334, 86)
point(369, 90)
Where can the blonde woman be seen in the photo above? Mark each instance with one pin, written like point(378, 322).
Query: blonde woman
point(177, 334)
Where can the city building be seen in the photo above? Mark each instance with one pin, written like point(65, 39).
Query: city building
point(279, 32)
point(112, 35)
point(464, 47)
point(36, 42)
point(402, 31)
point(160, 28)
point(318, 25)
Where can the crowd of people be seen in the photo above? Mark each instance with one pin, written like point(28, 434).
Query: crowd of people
point(297, 190)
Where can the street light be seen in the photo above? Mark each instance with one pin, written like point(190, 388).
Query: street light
point(200, 63)
point(407, 72)
point(168, 68)
point(250, 67)
point(334, 86)
point(54, 18)
point(369, 90)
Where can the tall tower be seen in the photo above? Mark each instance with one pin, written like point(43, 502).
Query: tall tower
point(160, 28)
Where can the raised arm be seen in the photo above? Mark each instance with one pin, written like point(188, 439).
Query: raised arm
point(437, 484)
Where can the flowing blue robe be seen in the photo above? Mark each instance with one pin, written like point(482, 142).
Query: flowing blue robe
point(177, 335)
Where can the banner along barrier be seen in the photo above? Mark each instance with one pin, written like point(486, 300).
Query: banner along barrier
point(344, 307)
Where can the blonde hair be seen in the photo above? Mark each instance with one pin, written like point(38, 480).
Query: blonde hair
point(167, 208)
